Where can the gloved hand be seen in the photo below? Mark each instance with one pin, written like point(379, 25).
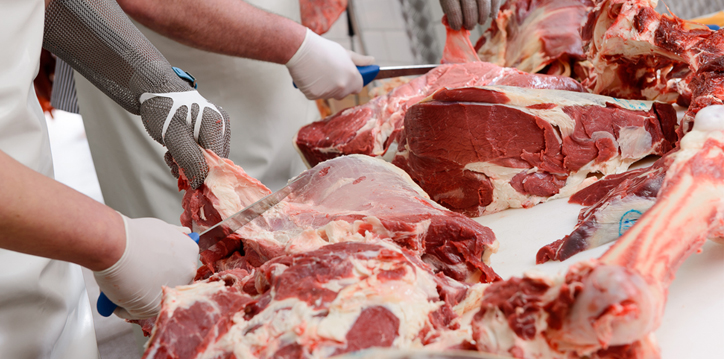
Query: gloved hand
point(157, 254)
point(467, 13)
point(168, 120)
point(324, 69)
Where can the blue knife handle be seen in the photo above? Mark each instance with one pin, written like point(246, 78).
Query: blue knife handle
point(104, 305)
point(714, 27)
point(368, 74)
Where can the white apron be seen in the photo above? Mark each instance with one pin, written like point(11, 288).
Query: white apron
point(266, 111)
point(44, 309)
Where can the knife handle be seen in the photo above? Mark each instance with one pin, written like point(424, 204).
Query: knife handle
point(104, 305)
point(368, 74)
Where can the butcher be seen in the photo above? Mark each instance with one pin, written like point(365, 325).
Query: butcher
point(47, 230)
point(246, 57)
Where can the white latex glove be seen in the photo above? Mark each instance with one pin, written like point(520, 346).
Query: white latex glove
point(157, 254)
point(324, 69)
point(468, 13)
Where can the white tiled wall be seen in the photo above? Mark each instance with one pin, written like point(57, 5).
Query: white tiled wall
point(383, 31)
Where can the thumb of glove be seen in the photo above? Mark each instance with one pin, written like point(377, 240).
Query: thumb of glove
point(360, 60)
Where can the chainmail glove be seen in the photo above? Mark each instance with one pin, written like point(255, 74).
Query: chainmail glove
point(168, 120)
point(468, 13)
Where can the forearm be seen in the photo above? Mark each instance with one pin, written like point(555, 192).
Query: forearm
point(230, 27)
point(43, 217)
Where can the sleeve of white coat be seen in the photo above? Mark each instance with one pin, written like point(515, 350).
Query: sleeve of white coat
point(157, 254)
point(324, 69)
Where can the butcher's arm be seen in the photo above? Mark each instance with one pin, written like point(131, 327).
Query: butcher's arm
point(43, 217)
point(230, 27)
point(320, 68)
point(132, 259)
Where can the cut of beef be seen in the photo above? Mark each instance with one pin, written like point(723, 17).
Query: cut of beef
point(352, 198)
point(609, 308)
point(636, 52)
point(613, 205)
point(320, 15)
point(372, 128)
point(503, 147)
point(533, 34)
point(339, 298)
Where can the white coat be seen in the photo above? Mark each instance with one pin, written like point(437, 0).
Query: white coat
point(266, 111)
point(44, 309)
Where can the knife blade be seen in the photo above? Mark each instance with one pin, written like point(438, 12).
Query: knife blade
point(374, 72)
point(237, 220)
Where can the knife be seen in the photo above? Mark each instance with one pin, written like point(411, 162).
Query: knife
point(374, 72)
point(221, 230)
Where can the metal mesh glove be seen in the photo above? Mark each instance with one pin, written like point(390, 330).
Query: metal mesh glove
point(157, 254)
point(98, 40)
point(468, 13)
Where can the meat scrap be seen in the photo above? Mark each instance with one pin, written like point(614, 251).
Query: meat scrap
point(613, 205)
point(352, 198)
point(536, 35)
point(320, 15)
point(609, 307)
point(508, 147)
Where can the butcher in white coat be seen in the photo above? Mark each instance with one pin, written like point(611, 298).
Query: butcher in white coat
point(219, 42)
point(47, 230)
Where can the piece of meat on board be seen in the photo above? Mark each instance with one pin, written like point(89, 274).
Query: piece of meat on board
point(351, 198)
point(482, 150)
point(340, 298)
point(613, 205)
point(373, 127)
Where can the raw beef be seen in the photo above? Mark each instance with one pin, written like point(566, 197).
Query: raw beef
point(531, 35)
point(609, 308)
point(340, 298)
point(320, 15)
point(503, 147)
point(458, 48)
point(638, 53)
point(352, 198)
point(613, 205)
point(373, 127)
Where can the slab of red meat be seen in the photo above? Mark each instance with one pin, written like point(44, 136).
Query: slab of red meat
point(508, 147)
point(531, 35)
point(372, 128)
point(610, 307)
point(636, 52)
point(613, 205)
point(352, 198)
point(340, 298)
point(320, 15)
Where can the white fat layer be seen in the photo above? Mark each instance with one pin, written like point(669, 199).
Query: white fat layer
point(324, 330)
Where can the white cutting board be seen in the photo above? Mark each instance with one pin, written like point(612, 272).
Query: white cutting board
point(693, 323)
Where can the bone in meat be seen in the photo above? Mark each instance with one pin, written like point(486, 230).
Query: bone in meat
point(609, 308)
